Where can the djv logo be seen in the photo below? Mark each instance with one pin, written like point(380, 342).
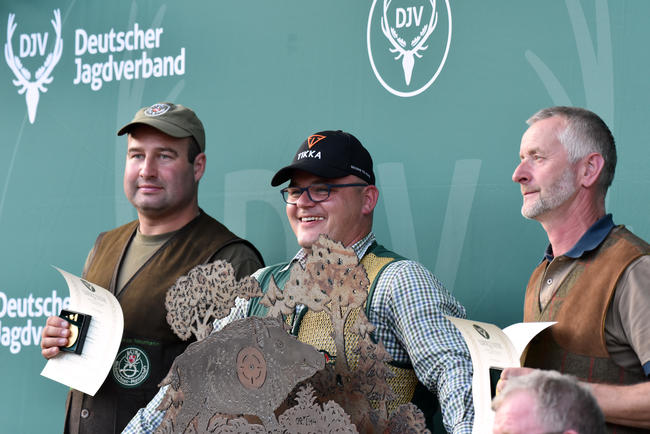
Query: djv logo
point(31, 45)
point(408, 42)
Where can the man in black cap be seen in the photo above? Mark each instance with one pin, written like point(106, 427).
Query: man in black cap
point(332, 191)
point(139, 261)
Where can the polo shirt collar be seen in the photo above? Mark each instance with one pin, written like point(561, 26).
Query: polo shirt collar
point(589, 240)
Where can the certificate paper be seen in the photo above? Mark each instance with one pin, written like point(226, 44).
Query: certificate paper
point(87, 371)
point(492, 350)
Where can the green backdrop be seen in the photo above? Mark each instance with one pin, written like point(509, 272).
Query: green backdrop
point(263, 75)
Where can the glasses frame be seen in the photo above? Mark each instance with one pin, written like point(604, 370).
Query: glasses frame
point(306, 189)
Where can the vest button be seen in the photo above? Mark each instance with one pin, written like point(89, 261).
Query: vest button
point(549, 281)
point(85, 413)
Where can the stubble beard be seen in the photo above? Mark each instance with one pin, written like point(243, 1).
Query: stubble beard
point(556, 195)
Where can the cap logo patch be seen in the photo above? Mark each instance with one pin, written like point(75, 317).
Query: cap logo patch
point(308, 154)
point(157, 110)
point(313, 139)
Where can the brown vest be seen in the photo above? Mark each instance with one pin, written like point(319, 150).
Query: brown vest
point(576, 344)
point(148, 344)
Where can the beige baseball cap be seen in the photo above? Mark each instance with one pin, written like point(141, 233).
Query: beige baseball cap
point(172, 119)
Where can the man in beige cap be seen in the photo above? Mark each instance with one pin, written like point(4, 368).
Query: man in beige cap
point(140, 260)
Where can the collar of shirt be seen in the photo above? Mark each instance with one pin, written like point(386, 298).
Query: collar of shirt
point(589, 240)
point(360, 248)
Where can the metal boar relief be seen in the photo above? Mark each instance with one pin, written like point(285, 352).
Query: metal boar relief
point(240, 376)
point(247, 368)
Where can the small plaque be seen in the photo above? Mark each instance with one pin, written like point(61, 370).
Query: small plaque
point(78, 328)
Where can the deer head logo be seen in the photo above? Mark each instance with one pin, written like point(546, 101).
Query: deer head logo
point(30, 88)
point(417, 43)
point(407, 31)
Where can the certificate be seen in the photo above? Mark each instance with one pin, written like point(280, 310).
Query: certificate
point(492, 350)
point(87, 371)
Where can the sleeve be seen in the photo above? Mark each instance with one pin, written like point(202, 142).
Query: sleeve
point(416, 303)
point(243, 259)
point(633, 301)
point(147, 419)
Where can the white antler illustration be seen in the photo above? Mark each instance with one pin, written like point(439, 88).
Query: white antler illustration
point(417, 44)
point(42, 76)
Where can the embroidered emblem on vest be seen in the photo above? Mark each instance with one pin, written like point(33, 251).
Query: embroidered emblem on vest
point(329, 358)
point(131, 367)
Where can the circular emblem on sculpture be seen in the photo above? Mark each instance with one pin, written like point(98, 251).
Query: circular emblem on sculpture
point(157, 110)
point(251, 367)
point(131, 367)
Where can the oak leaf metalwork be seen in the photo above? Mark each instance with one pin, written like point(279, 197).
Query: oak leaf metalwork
point(206, 293)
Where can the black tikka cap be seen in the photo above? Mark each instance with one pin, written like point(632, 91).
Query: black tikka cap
point(329, 154)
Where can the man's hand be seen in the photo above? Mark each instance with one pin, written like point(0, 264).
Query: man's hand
point(510, 373)
point(55, 334)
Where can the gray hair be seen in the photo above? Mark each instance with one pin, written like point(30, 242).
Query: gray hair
point(585, 133)
point(562, 403)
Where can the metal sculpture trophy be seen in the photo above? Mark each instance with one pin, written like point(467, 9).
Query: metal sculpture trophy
point(253, 371)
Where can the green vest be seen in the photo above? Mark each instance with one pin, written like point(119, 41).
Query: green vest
point(576, 344)
point(315, 328)
point(148, 344)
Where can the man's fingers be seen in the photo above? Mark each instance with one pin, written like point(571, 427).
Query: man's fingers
point(499, 386)
point(509, 373)
point(57, 322)
point(515, 372)
point(47, 343)
point(50, 352)
point(54, 332)
point(54, 337)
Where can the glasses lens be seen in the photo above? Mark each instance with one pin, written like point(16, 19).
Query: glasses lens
point(319, 192)
point(291, 194)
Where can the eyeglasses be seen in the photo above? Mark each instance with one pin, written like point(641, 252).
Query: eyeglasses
point(316, 192)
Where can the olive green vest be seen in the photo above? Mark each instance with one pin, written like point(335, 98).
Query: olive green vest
point(576, 344)
point(315, 328)
point(148, 344)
